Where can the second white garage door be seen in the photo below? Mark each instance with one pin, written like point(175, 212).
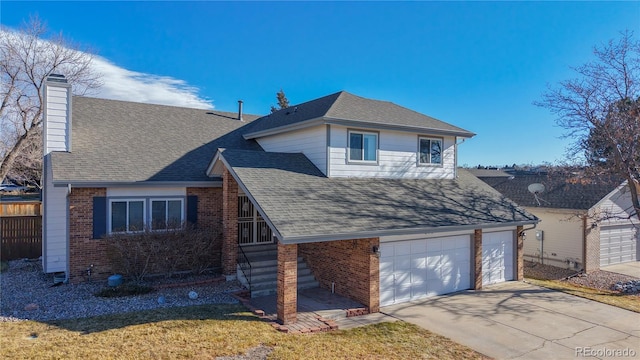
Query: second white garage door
point(497, 257)
point(415, 269)
point(618, 244)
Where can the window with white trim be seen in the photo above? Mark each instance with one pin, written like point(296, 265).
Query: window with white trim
point(363, 146)
point(166, 213)
point(127, 215)
point(429, 151)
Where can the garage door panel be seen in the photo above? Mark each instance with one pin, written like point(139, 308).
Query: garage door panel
point(497, 257)
point(618, 244)
point(436, 266)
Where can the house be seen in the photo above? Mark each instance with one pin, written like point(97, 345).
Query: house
point(584, 225)
point(362, 195)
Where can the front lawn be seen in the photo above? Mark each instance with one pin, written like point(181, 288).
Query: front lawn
point(209, 331)
point(624, 301)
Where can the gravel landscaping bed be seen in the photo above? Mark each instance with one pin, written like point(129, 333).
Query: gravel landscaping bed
point(601, 280)
point(26, 293)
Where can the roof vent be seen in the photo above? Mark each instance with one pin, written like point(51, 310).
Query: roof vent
point(240, 102)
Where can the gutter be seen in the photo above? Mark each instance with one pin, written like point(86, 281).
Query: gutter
point(377, 233)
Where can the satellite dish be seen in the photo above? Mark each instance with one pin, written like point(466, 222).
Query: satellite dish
point(536, 188)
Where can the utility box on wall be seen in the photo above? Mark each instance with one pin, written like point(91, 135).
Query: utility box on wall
point(539, 234)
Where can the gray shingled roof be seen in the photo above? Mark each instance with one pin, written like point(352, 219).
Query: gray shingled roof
point(119, 141)
point(345, 106)
point(301, 203)
point(562, 190)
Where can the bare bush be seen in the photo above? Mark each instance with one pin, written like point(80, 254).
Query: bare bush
point(162, 252)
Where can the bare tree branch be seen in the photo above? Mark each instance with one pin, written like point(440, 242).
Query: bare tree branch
point(27, 58)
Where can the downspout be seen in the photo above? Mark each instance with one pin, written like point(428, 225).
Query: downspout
point(66, 278)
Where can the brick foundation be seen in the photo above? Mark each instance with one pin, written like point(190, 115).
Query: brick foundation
point(229, 223)
point(287, 288)
point(477, 259)
point(350, 264)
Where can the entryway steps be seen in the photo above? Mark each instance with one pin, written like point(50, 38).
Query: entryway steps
point(264, 270)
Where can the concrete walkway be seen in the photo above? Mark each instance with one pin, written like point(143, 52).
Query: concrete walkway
point(631, 268)
point(516, 320)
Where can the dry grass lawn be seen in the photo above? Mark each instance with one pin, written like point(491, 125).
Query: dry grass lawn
point(205, 332)
point(628, 302)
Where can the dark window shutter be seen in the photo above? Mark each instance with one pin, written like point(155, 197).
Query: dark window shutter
point(192, 209)
point(99, 216)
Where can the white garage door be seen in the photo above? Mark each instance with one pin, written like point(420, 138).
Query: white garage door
point(415, 269)
point(618, 244)
point(497, 257)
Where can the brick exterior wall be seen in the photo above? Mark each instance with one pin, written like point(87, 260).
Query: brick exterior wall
point(287, 287)
point(229, 223)
point(519, 254)
point(477, 259)
point(591, 244)
point(210, 217)
point(85, 251)
point(351, 264)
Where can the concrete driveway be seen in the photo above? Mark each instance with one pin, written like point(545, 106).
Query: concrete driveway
point(629, 268)
point(516, 320)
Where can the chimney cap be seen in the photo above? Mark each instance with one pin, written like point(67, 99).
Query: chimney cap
point(57, 78)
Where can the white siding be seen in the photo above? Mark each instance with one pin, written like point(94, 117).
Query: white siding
point(397, 157)
point(562, 239)
point(55, 225)
point(311, 142)
point(56, 128)
point(616, 208)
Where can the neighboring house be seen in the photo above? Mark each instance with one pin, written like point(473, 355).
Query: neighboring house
point(584, 224)
point(361, 195)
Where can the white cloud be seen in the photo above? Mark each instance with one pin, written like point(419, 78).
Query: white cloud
point(123, 84)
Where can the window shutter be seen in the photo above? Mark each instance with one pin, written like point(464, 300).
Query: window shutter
point(192, 209)
point(99, 216)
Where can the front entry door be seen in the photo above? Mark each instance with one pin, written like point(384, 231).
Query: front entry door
point(252, 229)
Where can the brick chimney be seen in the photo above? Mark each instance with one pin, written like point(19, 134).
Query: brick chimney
point(57, 114)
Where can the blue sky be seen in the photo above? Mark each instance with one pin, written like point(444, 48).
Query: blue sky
point(477, 65)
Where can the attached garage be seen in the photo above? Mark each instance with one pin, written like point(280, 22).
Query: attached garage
point(413, 269)
point(618, 244)
point(497, 257)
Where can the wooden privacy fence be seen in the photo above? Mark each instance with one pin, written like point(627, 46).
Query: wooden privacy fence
point(20, 208)
point(21, 237)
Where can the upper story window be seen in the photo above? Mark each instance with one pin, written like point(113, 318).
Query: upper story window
point(127, 215)
point(429, 151)
point(363, 146)
point(166, 214)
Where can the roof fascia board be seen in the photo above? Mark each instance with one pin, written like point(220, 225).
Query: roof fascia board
point(251, 198)
point(358, 123)
point(378, 233)
point(113, 184)
point(394, 127)
point(286, 128)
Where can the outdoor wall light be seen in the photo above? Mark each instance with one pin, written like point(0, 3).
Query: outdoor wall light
point(523, 235)
point(376, 250)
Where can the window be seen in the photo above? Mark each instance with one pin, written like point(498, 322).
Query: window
point(166, 214)
point(363, 146)
point(127, 215)
point(133, 215)
point(429, 151)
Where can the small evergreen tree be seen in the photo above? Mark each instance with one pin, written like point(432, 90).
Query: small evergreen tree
point(283, 102)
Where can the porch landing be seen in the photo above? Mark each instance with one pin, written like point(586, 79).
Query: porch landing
point(318, 310)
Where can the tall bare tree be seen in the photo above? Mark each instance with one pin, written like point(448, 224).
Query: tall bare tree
point(600, 111)
point(27, 57)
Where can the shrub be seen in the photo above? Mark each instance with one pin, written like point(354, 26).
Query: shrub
point(4, 266)
point(162, 251)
